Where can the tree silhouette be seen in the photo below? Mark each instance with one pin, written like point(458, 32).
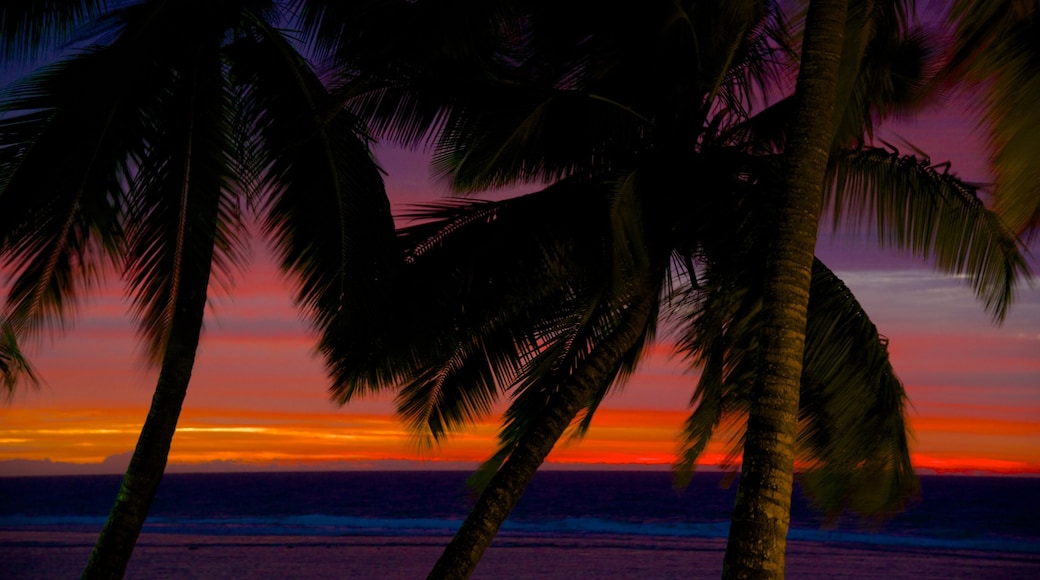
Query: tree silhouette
point(171, 123)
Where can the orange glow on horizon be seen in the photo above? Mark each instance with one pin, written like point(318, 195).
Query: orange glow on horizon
point(258, 395)
point(280, 439)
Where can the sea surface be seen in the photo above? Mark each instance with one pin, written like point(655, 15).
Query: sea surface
point(956, 513)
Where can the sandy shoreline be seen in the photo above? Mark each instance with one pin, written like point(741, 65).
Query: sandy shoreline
point(50, 555)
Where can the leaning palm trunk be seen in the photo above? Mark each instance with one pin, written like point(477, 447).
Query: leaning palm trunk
point(503, 492)
point(758, 531)
point(222, 113)
point(116, 543)
point(182, 219)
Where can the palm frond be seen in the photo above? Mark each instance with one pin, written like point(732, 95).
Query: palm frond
point(709, 410)
point(322, 196)
point(995, 50)
point(639, 251)
point(464, 385)
point(440, 399)
point(853, 422)
point(543, 379)
point(14, 367)
point(718, 318)
point(58, 229)
point(627, 365)
point(538, 136)
point(917, 208)
point(406, 79)
point(598, 116)
point(761, 65)
point(183, 217)
point(408, 114)
point(586, 319)
point(629, 238)
point(852, 434)
point(30, 27)
point(886, 64)
point(592, 343)
point(325, 22)
point(481, 283)
point(765, 130)
point(892, 82)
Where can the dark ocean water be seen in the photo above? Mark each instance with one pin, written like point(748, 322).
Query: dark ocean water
point(961, 513)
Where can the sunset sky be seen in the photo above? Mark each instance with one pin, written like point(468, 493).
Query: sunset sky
point(258, 394)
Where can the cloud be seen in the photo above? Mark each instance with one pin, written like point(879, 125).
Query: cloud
point(118, 462)
point(38, 467)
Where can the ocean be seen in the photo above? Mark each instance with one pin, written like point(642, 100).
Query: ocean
point(979, 513)
point(998, 515)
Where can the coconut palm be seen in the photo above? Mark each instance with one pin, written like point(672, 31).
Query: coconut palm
point(759, 528)
point(761, 515)
point(170, 124)
point(512, 309)
point(662, 137)
point(554, 98)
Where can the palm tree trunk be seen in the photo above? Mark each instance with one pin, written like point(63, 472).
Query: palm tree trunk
point(116, 543)
point(503, 492)
point(758, 531)
point(192, 188)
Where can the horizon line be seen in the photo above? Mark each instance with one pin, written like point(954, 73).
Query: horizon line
point(114, 466)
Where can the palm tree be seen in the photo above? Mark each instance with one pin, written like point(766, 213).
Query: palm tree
point(459, 338)
point(573, 348)
point(647, 160)
point(982, 29)
point(761, 515)
point(221, 116)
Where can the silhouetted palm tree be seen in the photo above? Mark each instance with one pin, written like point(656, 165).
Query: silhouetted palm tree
point(143, 151)
point(643, 116)
point(758, 526)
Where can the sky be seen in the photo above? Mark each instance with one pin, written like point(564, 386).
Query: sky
point(258, 396)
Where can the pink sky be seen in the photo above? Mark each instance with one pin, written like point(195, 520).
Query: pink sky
point(258, 395)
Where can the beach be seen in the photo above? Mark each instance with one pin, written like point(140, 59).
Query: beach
point(51, 555)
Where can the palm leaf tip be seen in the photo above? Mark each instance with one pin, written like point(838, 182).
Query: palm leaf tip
point(920, 207)
point(14, 367)
point(854, 435)
point(701, 425)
